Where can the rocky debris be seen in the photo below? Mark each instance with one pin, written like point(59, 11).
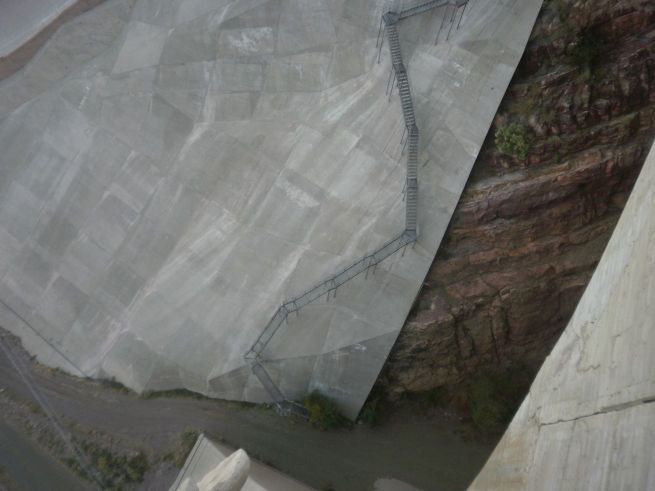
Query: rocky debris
point(528, 234)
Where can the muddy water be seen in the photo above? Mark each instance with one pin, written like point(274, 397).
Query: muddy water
point(30, 467)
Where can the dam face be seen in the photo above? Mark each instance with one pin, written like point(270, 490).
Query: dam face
point(160, 201)
point(588, 421)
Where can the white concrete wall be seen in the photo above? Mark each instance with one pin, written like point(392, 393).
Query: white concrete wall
point(589, 419)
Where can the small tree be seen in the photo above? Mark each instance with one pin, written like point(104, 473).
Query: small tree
point(323, 412)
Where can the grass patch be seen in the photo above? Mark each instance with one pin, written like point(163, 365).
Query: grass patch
point(112, 383)
point(324, 414)
point(514, 140)
point(113, 469)
point(525, 105)
point(174, 393)
point(181, 448)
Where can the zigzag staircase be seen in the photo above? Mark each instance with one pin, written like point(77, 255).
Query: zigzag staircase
point(408, 236)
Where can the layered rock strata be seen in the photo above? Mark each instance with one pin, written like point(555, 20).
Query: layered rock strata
point(528, 233)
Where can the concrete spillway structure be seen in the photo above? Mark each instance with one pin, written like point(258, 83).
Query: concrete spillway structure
point(159, 202)
point(589, 419)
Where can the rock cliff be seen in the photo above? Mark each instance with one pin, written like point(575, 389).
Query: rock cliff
point(528, 232)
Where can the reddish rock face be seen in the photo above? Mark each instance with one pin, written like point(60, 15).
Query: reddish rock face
point(527, 234)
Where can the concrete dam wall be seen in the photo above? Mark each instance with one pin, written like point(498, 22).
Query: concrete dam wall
point(589, 419)
point(218, 158)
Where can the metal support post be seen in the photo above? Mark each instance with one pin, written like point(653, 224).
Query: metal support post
point(392, 83)
point(452, 21)
point(384, 29)
point(443, 21)
point(386, 92)
point(462, 16)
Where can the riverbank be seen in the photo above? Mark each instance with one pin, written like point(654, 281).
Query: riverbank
point(423, 448)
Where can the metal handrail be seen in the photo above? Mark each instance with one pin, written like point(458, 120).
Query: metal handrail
point(371, 260)
point(326, 287)
point(424, 7)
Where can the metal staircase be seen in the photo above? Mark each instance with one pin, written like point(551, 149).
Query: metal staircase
point(369, 262)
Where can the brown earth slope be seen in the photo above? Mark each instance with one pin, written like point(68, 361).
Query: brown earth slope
point(528, 233)
point(14, 61)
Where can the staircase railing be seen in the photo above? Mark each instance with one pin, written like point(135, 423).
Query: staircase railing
point(330, 285)
point(424, 7)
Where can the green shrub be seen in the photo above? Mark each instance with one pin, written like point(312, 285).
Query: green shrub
point(136, 467)
point(323, 412)
point(115, 470)
point(174, 393)
point(513, 140)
